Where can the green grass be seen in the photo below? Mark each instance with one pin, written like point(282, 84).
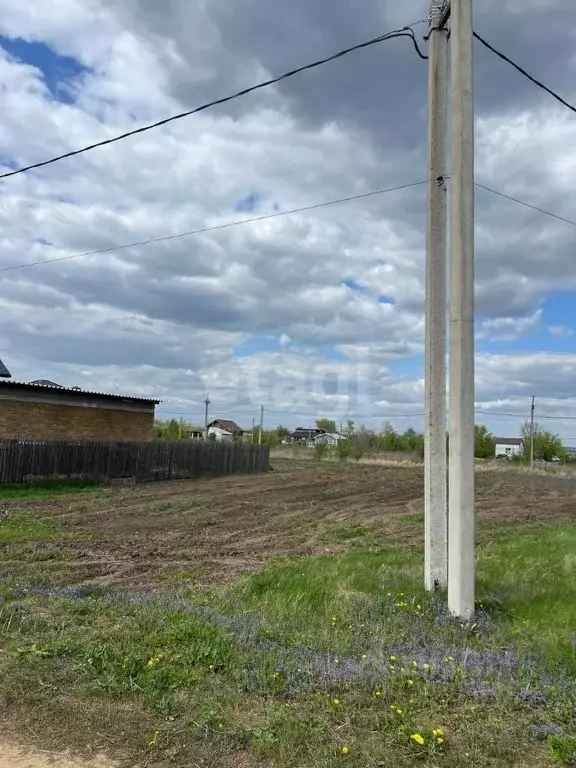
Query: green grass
point(19, 528)
point(273, 665)
point(44, 490)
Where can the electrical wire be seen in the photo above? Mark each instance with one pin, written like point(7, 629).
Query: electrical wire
point(526, 417)
point(397, 33)
point(525, 204)
point(216, 227)
point(522, 71)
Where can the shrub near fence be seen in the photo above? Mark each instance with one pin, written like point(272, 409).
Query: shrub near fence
point(24, 461)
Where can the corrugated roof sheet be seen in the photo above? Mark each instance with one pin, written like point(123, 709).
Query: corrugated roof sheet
point(78, 392)
point(4, 372)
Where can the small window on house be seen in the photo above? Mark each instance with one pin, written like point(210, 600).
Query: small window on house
point(508, 450)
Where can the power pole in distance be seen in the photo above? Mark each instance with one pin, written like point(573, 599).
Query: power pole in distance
point(261, 424)
point(461, 453)
point(532, 432)
point(206, 403)
point(435, 461)
point(253, 427)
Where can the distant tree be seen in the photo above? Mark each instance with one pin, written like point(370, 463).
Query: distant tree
point(343, 449)
point(282, 432)
point(326, 425)
point(320, 450)
point(413, 441)
point(389, 440)
point(547, 445)
point(168, 429)
point(363, 441)
point(484, 442)
point(349, 429)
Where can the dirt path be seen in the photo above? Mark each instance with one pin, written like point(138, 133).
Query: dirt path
point(19, 757)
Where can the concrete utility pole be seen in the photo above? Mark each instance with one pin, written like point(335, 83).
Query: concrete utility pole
point(253, 427)
point(461, 567)
point(435, 462)
point(532, 432)
point(206, 403)
point(261, 424)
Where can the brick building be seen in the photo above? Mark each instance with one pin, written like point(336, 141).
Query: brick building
point(43, 410)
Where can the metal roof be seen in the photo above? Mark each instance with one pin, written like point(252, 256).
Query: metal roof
point(58, 390)
point(508, 440)
point(4, 372)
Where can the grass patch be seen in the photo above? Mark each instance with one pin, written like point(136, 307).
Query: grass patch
point(415, 519)
point(45, 490)
point(19, 528)
point(326, 661)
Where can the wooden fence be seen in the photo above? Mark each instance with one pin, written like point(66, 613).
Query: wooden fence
point(23, 461)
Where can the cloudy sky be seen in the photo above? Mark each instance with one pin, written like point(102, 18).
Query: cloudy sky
point(317, 313)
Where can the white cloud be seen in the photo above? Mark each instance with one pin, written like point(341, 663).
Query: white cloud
point(169, 318)
point(560, 331)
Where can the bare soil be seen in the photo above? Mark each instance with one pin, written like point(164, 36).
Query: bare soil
point(212, 530)
point(20, 757)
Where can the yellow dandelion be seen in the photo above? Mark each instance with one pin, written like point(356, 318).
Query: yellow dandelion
point(439, 740)
point(151, 662)
point(449, 659)
point(345, 750)
point(419, 607)
point(336, 661)
point(211, 667)
point(410, 682)
point(377, 693)
point(426, 667)
point(417, 738)
point(438, 732)
point(364, 657)
point(220, 726)
point(415, 664)
point(399, 712)
point(393, 658)
point(336, 702)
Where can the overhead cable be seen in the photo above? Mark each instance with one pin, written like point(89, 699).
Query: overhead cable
point(403, 32)
point(522, 71)
point(226, 225)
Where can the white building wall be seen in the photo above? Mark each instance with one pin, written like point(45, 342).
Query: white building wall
point(503, 449)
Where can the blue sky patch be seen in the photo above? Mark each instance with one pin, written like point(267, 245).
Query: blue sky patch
point(58, 71)
point(248, 204)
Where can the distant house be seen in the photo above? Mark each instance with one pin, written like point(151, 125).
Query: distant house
point(227, 425)
point(303, 435)
point(33, 410)
point(508, 447)
point(194, 433)
point(331, 439)
point(220, 435)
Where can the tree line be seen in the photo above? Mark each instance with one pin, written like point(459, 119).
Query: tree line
point(361, 440)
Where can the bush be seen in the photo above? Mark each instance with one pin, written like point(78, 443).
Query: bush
point(320, 450)
point(343, 450)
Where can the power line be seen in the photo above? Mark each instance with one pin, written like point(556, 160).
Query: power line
point(525, 204)
point(523, 416)
point(524, 72)
point(403, 32)
point(216, 227)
